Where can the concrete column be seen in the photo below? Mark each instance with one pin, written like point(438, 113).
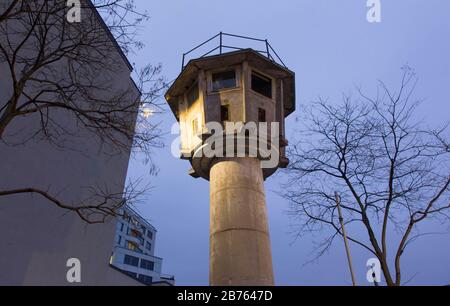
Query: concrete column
point(240, 252)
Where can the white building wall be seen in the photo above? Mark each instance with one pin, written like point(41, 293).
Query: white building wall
point(37, 237)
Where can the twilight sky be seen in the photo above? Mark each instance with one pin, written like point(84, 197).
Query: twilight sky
point(332, 48)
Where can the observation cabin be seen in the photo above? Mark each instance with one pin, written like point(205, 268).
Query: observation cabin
point(230, 84)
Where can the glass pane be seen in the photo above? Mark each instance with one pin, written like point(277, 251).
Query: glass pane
point(225, 79)
point(262, 85)
point(224, 113)
point(261, 115)
point(192, 95)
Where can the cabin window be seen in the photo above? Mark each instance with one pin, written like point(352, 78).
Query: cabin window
point(225, 113)
point(192, 94)
point(262, 85)
point(261, 115)
point(223, 80)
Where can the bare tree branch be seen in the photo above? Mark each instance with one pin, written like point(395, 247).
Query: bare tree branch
point(390, 172)
point(55, 67)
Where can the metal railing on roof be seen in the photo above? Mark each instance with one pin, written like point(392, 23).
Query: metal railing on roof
point(268, 51)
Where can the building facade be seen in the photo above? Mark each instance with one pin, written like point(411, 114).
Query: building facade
point(134, 249)
point(38, 238)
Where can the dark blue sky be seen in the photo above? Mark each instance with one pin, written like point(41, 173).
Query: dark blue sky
point(332, 48)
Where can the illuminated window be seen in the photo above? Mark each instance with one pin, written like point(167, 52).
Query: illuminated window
point(133, 247)
point(223, 80)
point(262, 85)
point(136, 234)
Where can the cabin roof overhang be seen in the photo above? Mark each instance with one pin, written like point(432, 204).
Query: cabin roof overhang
point(189, 75)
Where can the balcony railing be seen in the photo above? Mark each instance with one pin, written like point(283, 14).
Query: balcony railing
point(265, 50)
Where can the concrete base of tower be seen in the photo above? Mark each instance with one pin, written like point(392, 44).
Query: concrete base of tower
point(240, 253)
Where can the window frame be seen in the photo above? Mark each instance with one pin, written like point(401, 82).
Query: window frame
point(192, 87)
point(133, 246)
point(209, 76)
point(146, 279)
point(263, 111)
point(147, 264)
point(227, 107)
point(132, 258)
point(148, 246)
point(262, 75)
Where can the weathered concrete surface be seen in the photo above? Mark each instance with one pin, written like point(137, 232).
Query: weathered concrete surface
point(240, 253)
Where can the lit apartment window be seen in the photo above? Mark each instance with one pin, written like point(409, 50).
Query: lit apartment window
point(138, 235)
point(147, 264)
point(131, 261)
point(262, 85)
point(133, 247)
point(223, 80)
point(134, 233)
point(225, 113)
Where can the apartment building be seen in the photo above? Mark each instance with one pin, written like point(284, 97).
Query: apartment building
point(134, 250)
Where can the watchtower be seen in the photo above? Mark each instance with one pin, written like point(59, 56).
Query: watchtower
point(231, 104)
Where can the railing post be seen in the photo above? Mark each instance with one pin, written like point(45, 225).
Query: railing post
point(182, 63)
point(221, 46)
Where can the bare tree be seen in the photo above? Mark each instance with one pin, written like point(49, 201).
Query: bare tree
point(391, 173)
point(55, 67)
